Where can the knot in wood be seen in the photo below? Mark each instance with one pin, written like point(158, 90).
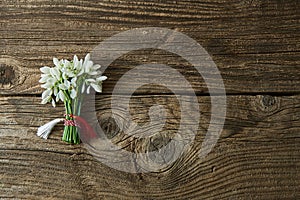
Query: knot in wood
point(268, 101)
point(7, 74)
point(268, 104)
point(110, 127)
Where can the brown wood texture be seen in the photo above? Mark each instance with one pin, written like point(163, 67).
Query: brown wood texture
point(255, 45)
point(250, 41)
point(257, 155)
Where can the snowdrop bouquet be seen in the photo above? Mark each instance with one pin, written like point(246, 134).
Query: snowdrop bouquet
point(66, 82)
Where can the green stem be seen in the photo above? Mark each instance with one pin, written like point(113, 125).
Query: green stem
point(70, 134)
point(79, 98)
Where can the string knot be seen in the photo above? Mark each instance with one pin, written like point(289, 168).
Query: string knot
point(69, 122)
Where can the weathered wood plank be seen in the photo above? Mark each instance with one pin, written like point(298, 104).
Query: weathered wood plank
point(256, 157)
point(254, 43)
point(250, 41)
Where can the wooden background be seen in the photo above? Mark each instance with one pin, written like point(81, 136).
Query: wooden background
point(254, 43)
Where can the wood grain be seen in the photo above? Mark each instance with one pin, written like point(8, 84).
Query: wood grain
point(255, 45)
point(256, 157)
point(250, 41)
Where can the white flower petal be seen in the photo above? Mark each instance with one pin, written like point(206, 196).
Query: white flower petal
point(77, 64)
point(62, 96)
point(90, 80)
point(73, 94)
point(81, 72)
point(57, 73)
point(53, 103)
point(55, 91)
point(52, 81)
point(88, 89)
point(56, 62)
point(92, 73)
point(48, 75)
point(62, 86)
point(70, 73)
point(75, 59)
point(73, 81)
point(87, 66)
point(57, 97)
point(83, 88)
point(46, 85)
point(67, 84)
point(45, 70)
point(87, 58)
point(46, 94)
point(96, 87)
point(67, 64)
point(101, 78)
point(44, 79)
point(96, 67)
point(52, 72)
point(44, 101)
point(64, 76)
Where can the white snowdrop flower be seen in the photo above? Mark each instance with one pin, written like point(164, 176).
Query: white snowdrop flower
point(60, 96)
point(44, 78)
point(73, 94)
point(47, 85)
point(78, 69)
point(63, 82)
point(86, 59)
point(67, 84)
point(57, 97)
point(44, 101)
point(45, 70)
point(101, 78)
point(46, 74)
point(75, 61)
point(68, 70)
point(73, 81)
point(56, 62)
point(62, 86)
point(55, 73)
point(90, 80)
point(46, 94)
point(83, 88)
point(88, 68)
point(55, 91)
point(88, 89)
point(96, 67)
point(96, 87)
point(53, 103)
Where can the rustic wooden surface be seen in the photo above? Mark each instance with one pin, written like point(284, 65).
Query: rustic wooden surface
point(255, 45)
